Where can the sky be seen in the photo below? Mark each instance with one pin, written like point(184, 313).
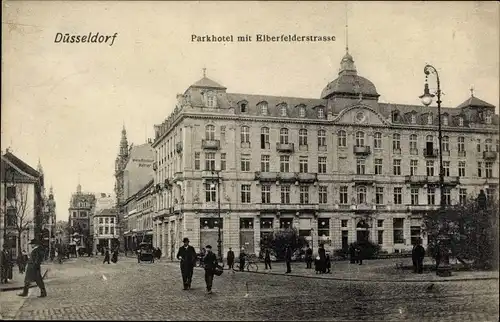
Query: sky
point(65, 104)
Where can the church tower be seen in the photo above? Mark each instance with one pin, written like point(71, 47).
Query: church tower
point(120, 163)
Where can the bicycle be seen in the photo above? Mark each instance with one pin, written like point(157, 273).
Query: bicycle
point(249, 265)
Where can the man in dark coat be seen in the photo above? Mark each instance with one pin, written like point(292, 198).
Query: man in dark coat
point(187, 256)
point(6, 264)
point(34, 270)
point(352, 254)
point(359, 254)
point(322, 258)
point(242, 259)
point(267, 258)
point(106, 256)
point(209, 263)
point(114, 257)
point(288, 259)
point(230, 258)
point(417, 256)
point(309, 257)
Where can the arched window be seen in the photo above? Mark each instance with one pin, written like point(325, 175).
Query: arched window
point(488, 145)
point(264, 138)
point(429, 139)
point(210, 132)
point(245, 134)
point(446, 143)
point(377, 140)
point(396, 141)
point(302, 137)
point(413, 143)
point(283, 110)
point(284, 136)
point(395, 116)
point(361, 194)
point(321, 113)
point(360, 138)
point(302, 111)
point(211, 99)
point(342, 138)
point(321, 138)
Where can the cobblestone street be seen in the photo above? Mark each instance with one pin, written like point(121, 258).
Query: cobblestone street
point(132, 291)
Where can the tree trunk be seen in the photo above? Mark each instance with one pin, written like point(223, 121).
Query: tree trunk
point(19, 250)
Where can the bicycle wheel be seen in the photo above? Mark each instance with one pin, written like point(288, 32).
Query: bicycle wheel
point(252, 267)
point(236, 268)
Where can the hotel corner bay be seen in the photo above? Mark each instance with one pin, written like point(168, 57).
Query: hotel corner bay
point(339, 168)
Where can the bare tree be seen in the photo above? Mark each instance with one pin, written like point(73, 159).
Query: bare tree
point(20, 214)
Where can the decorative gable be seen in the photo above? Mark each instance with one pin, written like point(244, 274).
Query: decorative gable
point(360, 114)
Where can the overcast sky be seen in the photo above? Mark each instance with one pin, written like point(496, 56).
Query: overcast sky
point(66, 103)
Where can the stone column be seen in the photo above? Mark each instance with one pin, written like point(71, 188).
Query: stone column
point(163, 238)
point(256, 234)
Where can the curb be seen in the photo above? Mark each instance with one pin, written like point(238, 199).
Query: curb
point(14, 288)
point(378, 280)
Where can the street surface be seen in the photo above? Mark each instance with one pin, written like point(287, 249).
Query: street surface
point(86, 289)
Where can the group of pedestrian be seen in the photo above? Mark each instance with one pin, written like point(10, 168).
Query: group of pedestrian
point(188, 257)
point(113, 255)
point(322, 263)
point(356, 254)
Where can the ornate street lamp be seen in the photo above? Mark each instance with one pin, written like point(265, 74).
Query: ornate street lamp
point(444, 268)
point(219, 240)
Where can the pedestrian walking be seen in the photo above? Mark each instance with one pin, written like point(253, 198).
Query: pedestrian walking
point(243, 256)
point(309, 257)
point(267, 259)
point(106, 256)
point(210, 264)
point(230, 259)
point(322, 258)
point(187, 256)
point(22, 260)
point(6, 265)
point(359, 254)
point(288, 259)
point(34, 269)
point(114, 257)
point(352, 254)
point(417, 256)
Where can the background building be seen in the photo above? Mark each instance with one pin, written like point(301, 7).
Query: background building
point(21, 195)
point(81, 210)
point(105, 232)
point(138, 221)
point(339, 168)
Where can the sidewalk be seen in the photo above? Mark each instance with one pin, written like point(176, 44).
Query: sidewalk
point(376, 271)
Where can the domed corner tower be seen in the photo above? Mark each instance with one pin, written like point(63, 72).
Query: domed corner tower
point(349, 88)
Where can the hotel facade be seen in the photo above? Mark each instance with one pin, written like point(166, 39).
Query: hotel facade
point(338, 168)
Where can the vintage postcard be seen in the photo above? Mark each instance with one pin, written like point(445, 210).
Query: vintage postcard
point(260, 160)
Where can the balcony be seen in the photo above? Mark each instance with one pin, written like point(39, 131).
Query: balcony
point(285, 147)
point(362, 150)
point(489, 155)
point(209, 174)
point(416, 179)
point(421, 208)
point(365, 207)
point(287, 207)
point(287, 177)
point(433, 180)
point(363, 178)
point(266, 176)
point(307, 177)
point(178, 176)
point(210, 144)
point(431, 153)
point(178, 147)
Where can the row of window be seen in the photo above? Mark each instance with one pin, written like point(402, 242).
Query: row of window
point(107, 230)
point(82, 214)
point(361, 195)
point(430, 118)
point(361, 168)
point(107, 220)
point(283, 109)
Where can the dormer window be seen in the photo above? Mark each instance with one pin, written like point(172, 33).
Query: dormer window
point(283, 110)
point(321, 113)
point(243, 107)
point(461, 121)
point(211, 99)
point(302, 111)
point(445, 120)
point(263, 109)
point(429, 119)
point(413, 119)
point(395, 116)
point(487, 119)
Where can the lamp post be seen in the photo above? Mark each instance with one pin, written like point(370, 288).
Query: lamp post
point(444, 265)
point(219, 240)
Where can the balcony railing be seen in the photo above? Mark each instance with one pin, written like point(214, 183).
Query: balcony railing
point(209, 174)
point(178, 147)
point(362, 150)
point(307, 177)
point(287, 177)
point(363, 178)
point(364, 207)
point(285, 147)
point(431, 153)
point(266, 176)
point(489, 155)
point(210, 144)
point(419, 179)
point(421, 208)
point(286, 207)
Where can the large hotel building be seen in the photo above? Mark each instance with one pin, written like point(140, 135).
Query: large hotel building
point(337, 168)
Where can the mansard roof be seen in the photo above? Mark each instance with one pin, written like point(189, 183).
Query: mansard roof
point(474, 102)
point(207, 83)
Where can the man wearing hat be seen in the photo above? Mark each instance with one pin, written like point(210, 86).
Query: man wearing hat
point(34, 270)
point(210, 262)
point(187, 256)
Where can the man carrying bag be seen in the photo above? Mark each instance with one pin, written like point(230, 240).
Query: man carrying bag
point(34, 270)
point(211, 268)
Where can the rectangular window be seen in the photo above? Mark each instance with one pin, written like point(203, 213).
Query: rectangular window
point(396, 167)
point(415, 234)
point(11, 192)
point(246, 223)
point(446, 168)
point(111, 220)
point(302, 137)
point(380, 223)
point(343, 195)
point(380, 237)
point(245, 134)
point(223, 161)
point(343, 223)
point(397, 226)
point(245, 162)
point(321, 164)
point(304, 194)
point(245, 193)
point(264, 163)
point(100, 220)
point(462, 196)
point(324, 227)
point(210, 161)
point(461, 144)
point(321, 138)
point(490, 193)
point(488, 169)
point(285, 194)
point(430, 168)
point(264, 138)
point(112, 230)
point(106, 230)
point(479, 169)
point(266, 194)
point(379, 195)
point(303, 165)
point(284, 163)
point(378, 166)
point(461, 168)
point(210, 192)
point(286, 223)
point(360, 166)
point(398, 196)
point(414, 196)
point(266, 223)
point(322, 194)
point(413, 167)
point(197, 160)
point(106, 220)
point(222, 133)
point(100, 230)
point(345, 239)
point(478, 146)
point(431, 196)
point(446, 196)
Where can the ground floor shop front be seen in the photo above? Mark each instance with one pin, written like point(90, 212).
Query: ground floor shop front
point(394, 232)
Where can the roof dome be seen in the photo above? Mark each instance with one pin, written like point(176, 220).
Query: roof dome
point(349, 82)
point(207, 83)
